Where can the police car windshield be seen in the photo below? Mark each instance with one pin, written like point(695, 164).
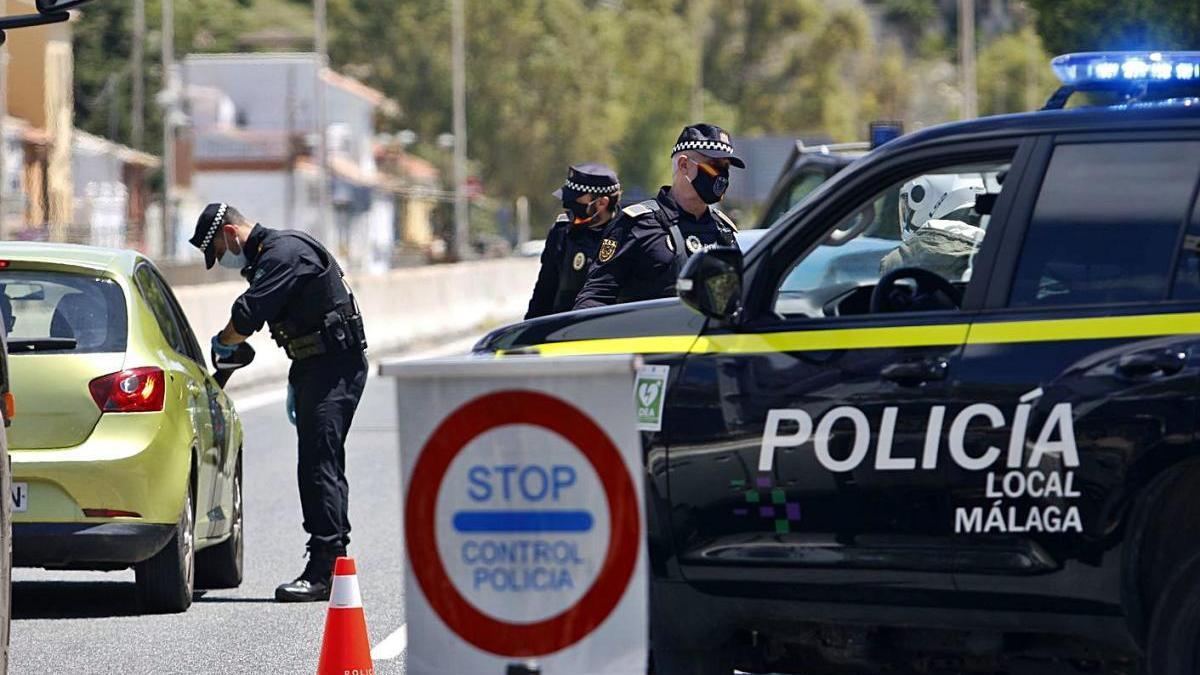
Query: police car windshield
point(934, 221)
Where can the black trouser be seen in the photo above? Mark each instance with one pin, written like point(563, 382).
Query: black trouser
point(328, 389)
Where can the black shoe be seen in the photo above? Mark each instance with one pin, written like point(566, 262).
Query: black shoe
point(302, 590)
point(315, 582)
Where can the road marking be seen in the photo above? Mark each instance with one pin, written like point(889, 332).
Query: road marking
point(254, 400)
point(392, 646)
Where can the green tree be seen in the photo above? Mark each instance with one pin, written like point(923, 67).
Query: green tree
point(1090, 25)
point(1014, 74)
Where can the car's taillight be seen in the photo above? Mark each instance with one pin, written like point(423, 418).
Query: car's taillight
point(134, 390)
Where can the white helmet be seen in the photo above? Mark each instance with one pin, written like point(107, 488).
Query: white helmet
point(937, 197)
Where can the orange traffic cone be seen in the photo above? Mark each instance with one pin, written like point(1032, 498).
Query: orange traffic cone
point(346, 647)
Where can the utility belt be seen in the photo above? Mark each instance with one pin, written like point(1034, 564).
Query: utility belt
point(342, 331)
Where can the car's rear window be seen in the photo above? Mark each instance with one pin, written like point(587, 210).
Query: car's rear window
point(57, 312)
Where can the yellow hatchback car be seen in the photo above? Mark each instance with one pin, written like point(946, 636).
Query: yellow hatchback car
point(125, 450)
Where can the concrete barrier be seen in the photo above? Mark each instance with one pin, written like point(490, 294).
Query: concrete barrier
point(405, 307)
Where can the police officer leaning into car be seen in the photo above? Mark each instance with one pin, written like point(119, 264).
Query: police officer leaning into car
point(297, 289)
point(591, 196)
point(643, 252)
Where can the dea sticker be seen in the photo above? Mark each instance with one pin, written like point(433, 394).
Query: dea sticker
point(650, 392)
point(579, 261)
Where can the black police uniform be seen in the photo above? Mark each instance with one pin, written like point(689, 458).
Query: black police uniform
point(297, 289)
point(296, 286)
point(569, 252)
point(642, 253)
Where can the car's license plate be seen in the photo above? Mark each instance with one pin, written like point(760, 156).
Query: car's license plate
point(20, 497)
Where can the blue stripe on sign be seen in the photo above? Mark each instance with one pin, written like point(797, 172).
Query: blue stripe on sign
point(523, 521)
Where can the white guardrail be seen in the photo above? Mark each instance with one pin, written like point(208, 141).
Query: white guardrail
point(404, 307)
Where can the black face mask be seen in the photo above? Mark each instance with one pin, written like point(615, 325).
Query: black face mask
point(581, 214)
point(710, 188)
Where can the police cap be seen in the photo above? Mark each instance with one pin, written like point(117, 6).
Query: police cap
point(588, 179)
point(208, 226)
point(708, 140)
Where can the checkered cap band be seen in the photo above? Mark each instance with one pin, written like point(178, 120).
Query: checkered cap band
point(702, 145)
point(593, 189)
point(218, 221)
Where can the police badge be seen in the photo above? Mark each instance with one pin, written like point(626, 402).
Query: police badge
point(693, 244)
point(579, 261)
point(608, 248)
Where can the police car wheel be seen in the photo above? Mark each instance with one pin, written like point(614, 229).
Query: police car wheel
point(165, 582)
point(1174, 640)
point(220, 566)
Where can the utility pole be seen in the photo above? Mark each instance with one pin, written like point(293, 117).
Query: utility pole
point(462, 244)
point(139, 80)
point(171, 94)
point(694, 18)
point(326, 221)
point(966, 58)
point(4, 194)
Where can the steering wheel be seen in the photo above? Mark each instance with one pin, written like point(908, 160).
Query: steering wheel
point(933, 292)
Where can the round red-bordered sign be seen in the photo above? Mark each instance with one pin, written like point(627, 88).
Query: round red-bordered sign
point(505, 408)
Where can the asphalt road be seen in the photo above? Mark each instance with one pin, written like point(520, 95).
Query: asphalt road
point(84, 622)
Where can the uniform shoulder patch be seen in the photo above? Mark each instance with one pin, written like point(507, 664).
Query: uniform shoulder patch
point(562, 218)
point(641, 208)
point(720, 215)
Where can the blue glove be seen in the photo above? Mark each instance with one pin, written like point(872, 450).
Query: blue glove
point(291, 405)
point(222, 350)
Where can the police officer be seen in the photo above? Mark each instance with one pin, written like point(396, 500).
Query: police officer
point(643, 252)
point(297, 289)
point(591, 197)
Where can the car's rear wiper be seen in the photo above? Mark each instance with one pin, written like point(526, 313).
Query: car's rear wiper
point(25, 346)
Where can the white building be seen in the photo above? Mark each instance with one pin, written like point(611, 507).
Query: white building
point(254, 132)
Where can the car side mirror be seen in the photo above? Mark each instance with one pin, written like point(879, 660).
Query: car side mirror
point(711, 283)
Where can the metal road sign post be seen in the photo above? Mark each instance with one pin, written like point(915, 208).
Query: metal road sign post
point(523, 517)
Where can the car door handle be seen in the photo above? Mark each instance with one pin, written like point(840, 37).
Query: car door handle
point(911, 373)
point(1145, 364)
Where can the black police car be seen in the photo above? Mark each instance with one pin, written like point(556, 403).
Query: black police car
point(983, 452)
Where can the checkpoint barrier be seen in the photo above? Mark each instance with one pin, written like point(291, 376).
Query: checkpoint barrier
point(523, 521)
point(400, 308)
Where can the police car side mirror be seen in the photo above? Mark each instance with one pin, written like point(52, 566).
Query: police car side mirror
point(711, 282)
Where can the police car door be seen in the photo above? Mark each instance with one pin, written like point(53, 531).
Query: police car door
point(1087, 359)
point(815, 436)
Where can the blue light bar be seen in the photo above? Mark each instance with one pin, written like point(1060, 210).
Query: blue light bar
point(1115, 67)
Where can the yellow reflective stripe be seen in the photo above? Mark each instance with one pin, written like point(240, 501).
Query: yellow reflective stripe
point(824, 340)
point(661, 344)
point(883, 338)
point(1100, 328)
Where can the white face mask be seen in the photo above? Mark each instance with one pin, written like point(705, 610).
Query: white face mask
point(231, 260)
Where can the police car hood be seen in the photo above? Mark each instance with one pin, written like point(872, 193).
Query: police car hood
point(658, 326)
